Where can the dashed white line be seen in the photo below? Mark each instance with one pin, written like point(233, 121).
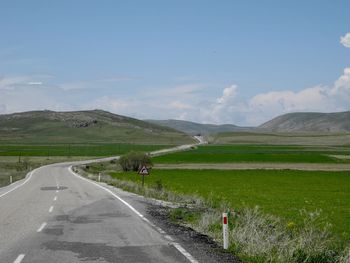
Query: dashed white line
point(19, 258)
point(43, 225)
point(176, 245)
point(56, 191)
point(55, 198)
point(51, 208)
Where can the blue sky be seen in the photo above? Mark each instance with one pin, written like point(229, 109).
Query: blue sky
point(240, 62)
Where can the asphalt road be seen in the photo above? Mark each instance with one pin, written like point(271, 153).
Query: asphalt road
point(56, 216)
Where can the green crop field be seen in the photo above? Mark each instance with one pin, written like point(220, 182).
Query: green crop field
point(279, 192)
point(257, 153)
point(97, 150)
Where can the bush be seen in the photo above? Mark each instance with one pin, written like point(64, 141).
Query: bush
point(133, 160)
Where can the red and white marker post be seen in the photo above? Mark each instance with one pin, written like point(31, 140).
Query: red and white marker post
point(225, 229)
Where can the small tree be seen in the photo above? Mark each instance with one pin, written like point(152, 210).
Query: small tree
point(133, 160)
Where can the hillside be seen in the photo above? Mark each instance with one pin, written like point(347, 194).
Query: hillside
point(193, 128)
point(83, 127)
point(309, 122)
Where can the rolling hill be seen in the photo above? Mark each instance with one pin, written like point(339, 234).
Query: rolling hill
point(309, 122)
point(95, 126)
point(193, 128)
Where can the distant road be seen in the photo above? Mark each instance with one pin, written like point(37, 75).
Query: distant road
point(56, 216)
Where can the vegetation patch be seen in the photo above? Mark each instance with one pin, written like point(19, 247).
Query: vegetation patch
point(256, 153)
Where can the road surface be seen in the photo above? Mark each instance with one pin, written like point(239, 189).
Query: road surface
point(56, 216)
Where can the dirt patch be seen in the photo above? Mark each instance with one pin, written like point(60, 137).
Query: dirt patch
point(253, 166)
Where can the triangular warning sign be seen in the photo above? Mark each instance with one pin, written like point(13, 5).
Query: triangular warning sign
point(143, 170)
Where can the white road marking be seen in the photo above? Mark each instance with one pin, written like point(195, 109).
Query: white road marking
point(30, 175)
point(51, 208)
point(56, 191)
point(176, 245)
point(184, 252)
point(19, 258)
point(43, 225)
point(55, 198)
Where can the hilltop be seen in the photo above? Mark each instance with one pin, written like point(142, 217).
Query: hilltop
point(94, 126)
point(309, 122)
point(193, 128)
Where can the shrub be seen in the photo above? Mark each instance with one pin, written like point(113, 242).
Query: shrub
point(133, 160)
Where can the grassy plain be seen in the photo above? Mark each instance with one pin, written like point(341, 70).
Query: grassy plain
point(264, 138)
point(97, 150)
point(258, 153)
point(279, 192)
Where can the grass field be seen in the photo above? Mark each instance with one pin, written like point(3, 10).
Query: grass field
point(279, 192)
point(97, 150)
point(257, 153)
point(263, 138)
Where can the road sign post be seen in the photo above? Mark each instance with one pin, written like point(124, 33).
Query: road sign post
point(143, 171)
point(225, 229)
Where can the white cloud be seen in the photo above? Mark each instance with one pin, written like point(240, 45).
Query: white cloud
point(9, 83)
point(73, 86)
point(35, 83)
point(345, 40)
point(119, 78)
point(179, 105)
point(265, 106)
point(111, 104)
point(185, 90)
point(187, 102)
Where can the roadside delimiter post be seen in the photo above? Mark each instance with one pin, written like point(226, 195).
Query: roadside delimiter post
point(225, 229)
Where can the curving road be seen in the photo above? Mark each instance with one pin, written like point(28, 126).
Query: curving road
point(55, 215)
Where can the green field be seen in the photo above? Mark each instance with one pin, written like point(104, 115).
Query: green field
point(97, 150)
point(279, 192)
point(257, 153)
point(263, 138)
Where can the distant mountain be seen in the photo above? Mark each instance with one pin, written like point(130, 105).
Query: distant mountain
point(309, 122)
point(84, 127)
point(194, 128)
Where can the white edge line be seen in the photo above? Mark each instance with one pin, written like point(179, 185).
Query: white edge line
point(19, 258)
point(176, 245)
point(184, 252)
point(30, 175)
point(43, 225)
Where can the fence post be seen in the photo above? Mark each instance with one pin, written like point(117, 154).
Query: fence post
point(225, 229)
